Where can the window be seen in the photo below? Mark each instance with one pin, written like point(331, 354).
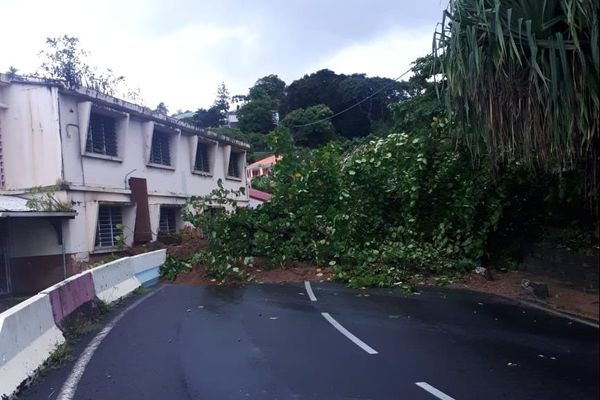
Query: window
point(202, 158)
point(108, 229)
point(102, 135)
point(160, 152)
point(168, 220)
point(234, 165)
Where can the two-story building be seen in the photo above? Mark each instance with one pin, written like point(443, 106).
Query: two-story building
point(118, 174)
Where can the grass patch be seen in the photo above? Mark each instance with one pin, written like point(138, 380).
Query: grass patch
point(142, 290)
point(61, 355)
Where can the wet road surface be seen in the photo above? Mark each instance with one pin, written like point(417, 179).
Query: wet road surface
point(273, 342)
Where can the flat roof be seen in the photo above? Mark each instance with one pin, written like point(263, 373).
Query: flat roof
point(122, 105)
point(16, 207)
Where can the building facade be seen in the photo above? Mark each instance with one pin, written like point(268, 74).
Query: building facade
point(261, 167)
point(124, 170)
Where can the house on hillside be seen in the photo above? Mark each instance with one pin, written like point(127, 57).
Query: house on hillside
point(115, 173)
point(184, 116)
point(232, 119)
point(261, 167)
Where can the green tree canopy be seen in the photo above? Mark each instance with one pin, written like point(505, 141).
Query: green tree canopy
point(423, 109)
point(309, 127)
point(257, 115)
point(162, 108)
point(270, 85)
point(65, 60)
point(210, 118)
point(216, 115)
point(339, 92)
point(221, 103)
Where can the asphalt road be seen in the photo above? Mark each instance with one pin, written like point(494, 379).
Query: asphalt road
point(273, 342)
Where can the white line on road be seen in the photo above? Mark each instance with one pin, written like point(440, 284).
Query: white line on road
point(433, 391)
point(349, 335)
point(69, 388)
point(309, 290)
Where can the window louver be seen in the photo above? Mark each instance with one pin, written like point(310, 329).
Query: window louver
point(167, 220)
point(202, 160)
point(160, 152)
point(102, 135)
point(234, 165)
point(109, 217)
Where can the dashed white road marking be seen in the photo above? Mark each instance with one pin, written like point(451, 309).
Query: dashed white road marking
point(349, 335)
point(69, 388)
point(309, 290)
point(427, 387)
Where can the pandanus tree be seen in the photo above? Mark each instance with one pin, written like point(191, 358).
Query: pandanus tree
point(521, 80)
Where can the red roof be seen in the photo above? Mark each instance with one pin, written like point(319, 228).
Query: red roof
point(258, 195)
point(268, 161)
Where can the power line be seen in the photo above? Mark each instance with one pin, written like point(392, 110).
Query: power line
point(355, 104)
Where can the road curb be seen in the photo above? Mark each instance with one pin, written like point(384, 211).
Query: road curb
point(538, 305)
point(570, 316)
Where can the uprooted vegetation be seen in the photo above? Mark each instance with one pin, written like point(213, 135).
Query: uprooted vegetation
point(392, 211)
point(365, 213)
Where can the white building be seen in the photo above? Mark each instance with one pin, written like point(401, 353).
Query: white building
point(232, 119)
point(123, 170)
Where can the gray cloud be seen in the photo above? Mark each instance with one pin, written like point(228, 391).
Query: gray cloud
point(178, 51)
point(294, 34)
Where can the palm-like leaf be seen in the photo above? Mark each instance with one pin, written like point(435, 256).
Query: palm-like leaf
point(522, 75)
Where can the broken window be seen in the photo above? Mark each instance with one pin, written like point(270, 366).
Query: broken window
point(109, 230)
point(168, 220)
point(102, 135)
point(234, 169)
point(202, 158)
point(160, 152)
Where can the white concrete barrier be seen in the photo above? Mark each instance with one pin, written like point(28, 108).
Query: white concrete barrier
point(114, 280)
point(29, 332)
point(28, 336)
point(70, 294)
point(146, 266)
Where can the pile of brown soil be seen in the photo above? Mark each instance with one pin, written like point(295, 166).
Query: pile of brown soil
point(182, 249)
point(293, 272)
point(562, 297)
point(186, 248)
point(144, 248)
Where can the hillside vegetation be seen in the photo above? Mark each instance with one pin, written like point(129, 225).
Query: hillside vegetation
point(468, 170)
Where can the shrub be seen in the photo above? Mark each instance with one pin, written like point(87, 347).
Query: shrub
point(386, 212)
point(173, 267)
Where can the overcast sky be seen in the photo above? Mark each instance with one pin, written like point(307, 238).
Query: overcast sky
point(178, 51)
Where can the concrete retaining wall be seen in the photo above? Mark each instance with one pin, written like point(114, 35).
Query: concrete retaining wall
point(29, 331)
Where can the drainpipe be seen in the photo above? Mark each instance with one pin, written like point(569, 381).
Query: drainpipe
point(6, 254)
point(9, 253)
point(62, 243)
point(127, 176)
